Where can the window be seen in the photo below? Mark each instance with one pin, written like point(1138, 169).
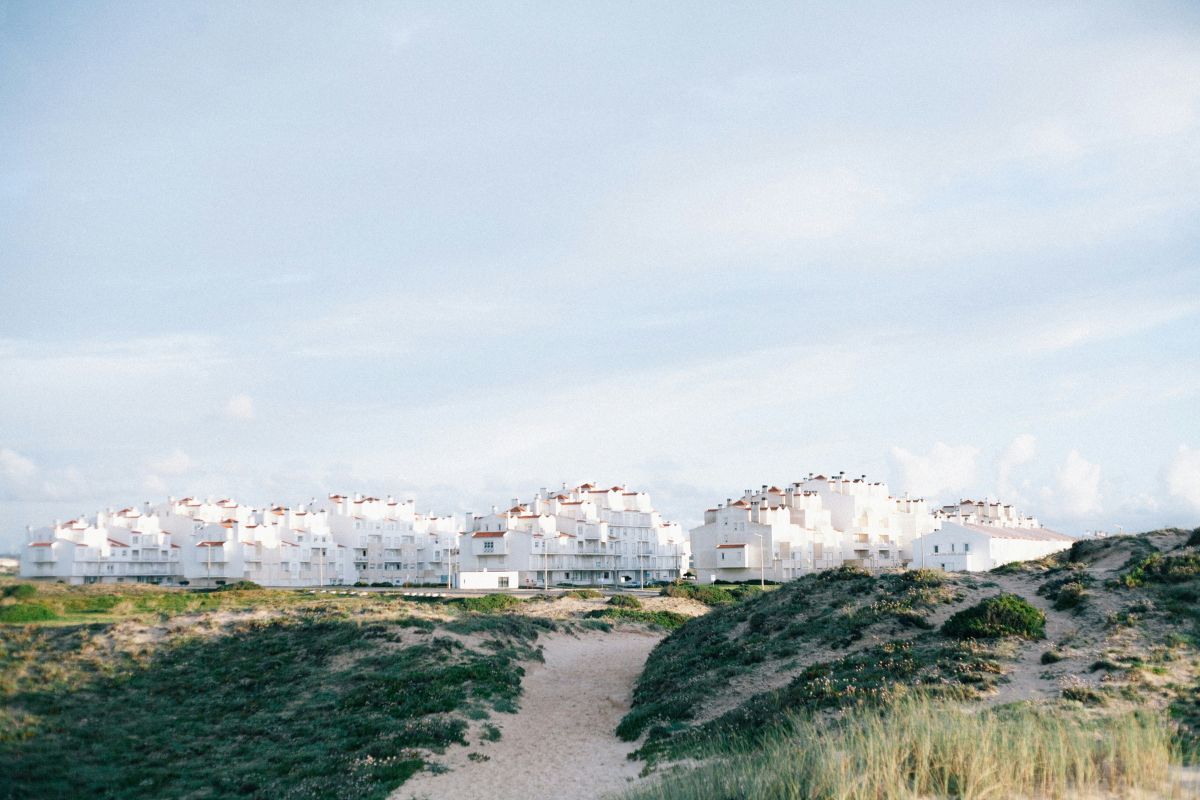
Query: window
point(489, 547)
point(502, 583)
point(966, 547)
point(936, 550)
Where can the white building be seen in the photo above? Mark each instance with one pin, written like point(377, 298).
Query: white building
point(976, 536)
point(814, 524)
point(586, 536)
point(190, 542)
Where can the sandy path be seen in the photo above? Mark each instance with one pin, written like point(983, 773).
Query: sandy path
point(560, 744)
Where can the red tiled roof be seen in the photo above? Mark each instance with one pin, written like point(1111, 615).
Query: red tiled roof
point(727, 546)
point(487, 534)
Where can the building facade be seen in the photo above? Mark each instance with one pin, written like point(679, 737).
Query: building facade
point(815, 524)
point(586, 536)
point(202, 543)
point(975, 536)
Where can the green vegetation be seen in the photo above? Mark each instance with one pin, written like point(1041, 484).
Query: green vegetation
point(711, 594)
point(663, 619)
point(583, 594)
point(26, 612)
point(624, 601)
point(487, 604)
point(997, 617)
point(934, 749)
point(1051, 657)
point(298, 706)
point(1159, 568)
point(20, 591)
point(830, 610)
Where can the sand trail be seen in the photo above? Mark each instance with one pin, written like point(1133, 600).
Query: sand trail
point(560, 744)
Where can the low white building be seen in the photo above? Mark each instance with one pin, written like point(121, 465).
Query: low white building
point(815, 524)
point(976, 536)
point(586, 536)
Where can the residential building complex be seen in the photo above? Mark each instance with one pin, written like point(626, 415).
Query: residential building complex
point(588, 536)
point(817, 523)
point(204, 543)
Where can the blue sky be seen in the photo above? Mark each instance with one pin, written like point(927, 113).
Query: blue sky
point(463, 251)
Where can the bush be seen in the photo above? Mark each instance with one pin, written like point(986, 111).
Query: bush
point(489, 603)
point(624, 601)
point(1194, 539)
point(1070, 595)
point(996, 617)
point(26, 612)
point(584, 594)
point(1158, 568)
point(239, 586)
point(663, 619)
point(1051, 657)
point(20, 591)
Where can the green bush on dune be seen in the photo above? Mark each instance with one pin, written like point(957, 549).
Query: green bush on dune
point(997, 617)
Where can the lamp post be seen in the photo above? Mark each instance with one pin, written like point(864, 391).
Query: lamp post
point(762, 561)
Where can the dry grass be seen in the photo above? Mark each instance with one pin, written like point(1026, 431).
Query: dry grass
point(921, 748)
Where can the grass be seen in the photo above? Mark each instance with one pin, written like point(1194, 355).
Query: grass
point(871, 676)
point(997, 617)
point(26, 612)
point(921, 748)
point(296, 707)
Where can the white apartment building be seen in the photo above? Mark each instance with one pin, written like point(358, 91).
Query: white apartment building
point(818, 523)
point(190, 542)
point(975, 536)
point(586, 536)
point(391, 542)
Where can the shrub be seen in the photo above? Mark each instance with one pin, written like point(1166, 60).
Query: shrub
point(996, 617)
point(1157, 568)
point(624, 601)
point(663, 619)
point(1194, 539)
point(1070, 595)
point(26, 612)
point(584, 594)
point(239, 586)
point(489, 603)
point(20, 591)
point(1051, 657)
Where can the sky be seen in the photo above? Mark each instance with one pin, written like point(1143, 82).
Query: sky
point(463, 251)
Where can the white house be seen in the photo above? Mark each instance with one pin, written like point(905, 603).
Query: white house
point(976, 536)
point(589, 535)
point(814, 524)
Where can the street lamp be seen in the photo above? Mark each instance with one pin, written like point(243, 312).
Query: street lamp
point(762, 561)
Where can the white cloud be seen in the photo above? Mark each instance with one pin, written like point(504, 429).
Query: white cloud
point(14, 467)
point(1183, 477)
point(944, 469)
point(240, 406)
point(1020, 451)
point(1077, 486)
point(175, 463)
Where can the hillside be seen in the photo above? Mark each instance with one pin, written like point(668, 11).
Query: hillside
point(1116, 652)
point(135, 691)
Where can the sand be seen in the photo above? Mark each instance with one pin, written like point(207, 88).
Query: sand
point(560, 744)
